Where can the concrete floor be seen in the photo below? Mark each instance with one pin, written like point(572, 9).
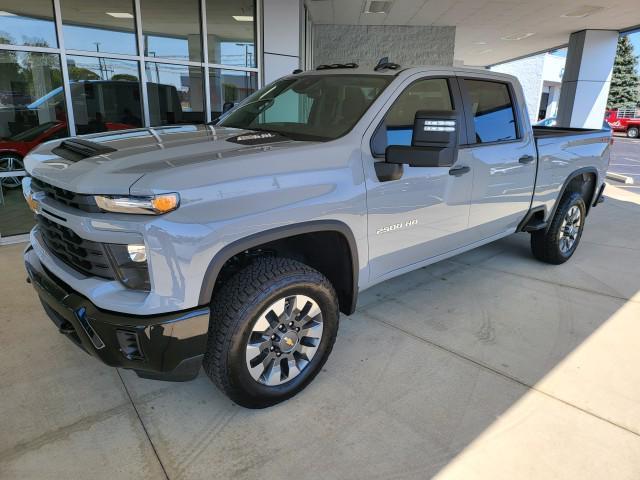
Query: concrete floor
point(490, 365)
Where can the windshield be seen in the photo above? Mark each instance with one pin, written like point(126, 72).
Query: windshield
point(310, 107)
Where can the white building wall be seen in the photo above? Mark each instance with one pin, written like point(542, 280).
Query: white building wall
point(530, 73)
point(553, 68)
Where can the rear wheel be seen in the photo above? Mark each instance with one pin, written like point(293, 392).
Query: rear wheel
point(633, 132)
point(9, 163)
point(559, 241)
point(272, 329)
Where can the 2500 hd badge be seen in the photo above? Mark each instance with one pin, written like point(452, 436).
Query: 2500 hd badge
point(397, 226)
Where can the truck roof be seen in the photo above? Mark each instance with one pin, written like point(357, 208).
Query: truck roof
point(405, 71)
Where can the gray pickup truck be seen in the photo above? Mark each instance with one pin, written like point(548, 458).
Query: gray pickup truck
point(236, 246)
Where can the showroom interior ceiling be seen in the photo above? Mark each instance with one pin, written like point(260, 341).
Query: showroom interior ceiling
point(488, 31)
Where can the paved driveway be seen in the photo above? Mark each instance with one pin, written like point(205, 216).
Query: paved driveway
point(490, 365)
point(625, 158)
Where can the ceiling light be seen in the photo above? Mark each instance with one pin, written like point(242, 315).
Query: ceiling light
point(243, 18)
point(377, 6)
point(517, 36)
point(7, 14)
point(581, 12)
point(120, 14)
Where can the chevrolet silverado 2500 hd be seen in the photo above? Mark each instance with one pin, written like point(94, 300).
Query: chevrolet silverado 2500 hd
point(235, 246)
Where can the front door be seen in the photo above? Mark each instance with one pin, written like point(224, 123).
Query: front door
point(424, 212)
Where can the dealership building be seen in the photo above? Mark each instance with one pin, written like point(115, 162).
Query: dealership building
point(71, 67)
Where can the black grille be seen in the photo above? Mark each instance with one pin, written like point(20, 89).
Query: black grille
point(75, 200)
point(85, 256)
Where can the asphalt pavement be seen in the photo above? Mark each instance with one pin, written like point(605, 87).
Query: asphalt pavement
point(625, 160)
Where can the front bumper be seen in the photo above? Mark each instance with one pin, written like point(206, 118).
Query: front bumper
point(165, 347)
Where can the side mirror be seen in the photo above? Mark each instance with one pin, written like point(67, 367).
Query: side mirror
point(226, 106)
point(420, 156)
point(434, 142)
point(439, 128)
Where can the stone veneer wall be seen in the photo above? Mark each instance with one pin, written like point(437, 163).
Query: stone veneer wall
point(366, 44)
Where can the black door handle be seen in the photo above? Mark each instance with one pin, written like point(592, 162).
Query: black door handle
point(526, 159)
point(456, 172)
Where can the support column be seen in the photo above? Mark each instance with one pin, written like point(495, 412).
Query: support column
point(587, 78)
point(554, 97)
point(281, 33)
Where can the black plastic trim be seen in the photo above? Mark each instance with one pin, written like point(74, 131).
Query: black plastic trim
point(387, 172)
point(573, 175)
point(169, 340)
point(599, 198)
point(257, 239)
point(524, 225)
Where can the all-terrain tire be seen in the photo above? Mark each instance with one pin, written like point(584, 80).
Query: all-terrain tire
point(237, 307)
point(546, 243)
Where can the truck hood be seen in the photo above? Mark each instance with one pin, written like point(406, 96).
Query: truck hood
point(143, 151)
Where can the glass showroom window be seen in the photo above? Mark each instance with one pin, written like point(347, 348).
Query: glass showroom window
point(228, 88)
point(172, 29)
point(27, 23)
point(104, 26)
point(105, 94)
point(231, 32)
point(175, 94)
point(32, 111)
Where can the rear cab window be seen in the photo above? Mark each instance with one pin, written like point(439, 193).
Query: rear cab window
point(491, 105)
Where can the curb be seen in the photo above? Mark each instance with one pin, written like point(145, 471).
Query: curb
point(620, 178)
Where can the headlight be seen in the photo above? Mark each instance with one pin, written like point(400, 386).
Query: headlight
point(155, 205)
point(130, 265)
point(32, 198)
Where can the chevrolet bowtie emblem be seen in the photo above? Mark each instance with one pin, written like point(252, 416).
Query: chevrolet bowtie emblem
point(288, 341)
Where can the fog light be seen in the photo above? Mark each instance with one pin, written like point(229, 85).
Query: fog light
point(137, 253)
point(130, 264)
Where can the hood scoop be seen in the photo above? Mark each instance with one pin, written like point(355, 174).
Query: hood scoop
point(257, 138)
point(77, 149)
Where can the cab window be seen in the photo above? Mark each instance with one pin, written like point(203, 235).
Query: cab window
point(432, 94)
point(492, 109)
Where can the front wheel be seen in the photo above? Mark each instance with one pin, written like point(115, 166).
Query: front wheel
point(559, 241)
point(273, 326)
point(633, 132)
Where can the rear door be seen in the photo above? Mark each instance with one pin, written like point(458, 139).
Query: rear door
point(501, 153)
point(424, 212)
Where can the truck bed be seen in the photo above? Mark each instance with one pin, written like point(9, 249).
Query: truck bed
point(564, 151)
